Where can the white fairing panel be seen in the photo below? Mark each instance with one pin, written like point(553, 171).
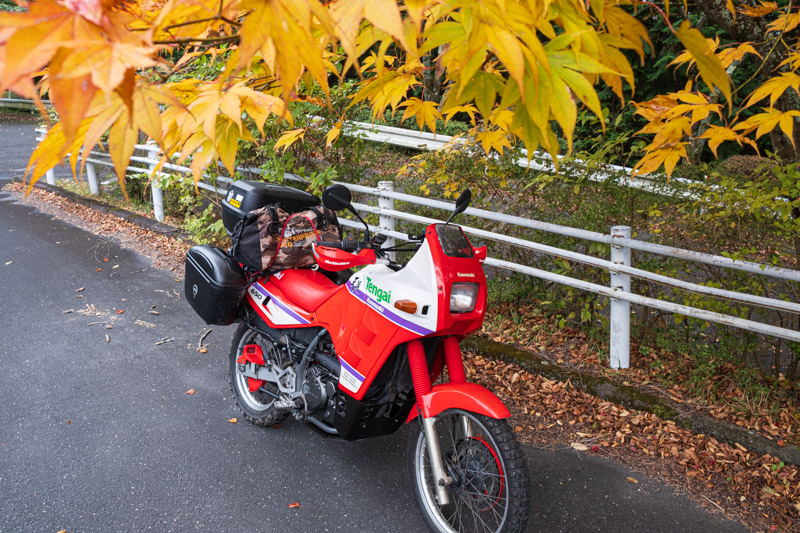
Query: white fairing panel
point(380, 287)
point(278, 312)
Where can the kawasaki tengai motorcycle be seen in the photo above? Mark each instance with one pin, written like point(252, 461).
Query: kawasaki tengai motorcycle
point(356, 354)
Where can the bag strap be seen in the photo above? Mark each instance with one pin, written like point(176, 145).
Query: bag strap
point(275, 225)
point(236, 236)
point(322, 215)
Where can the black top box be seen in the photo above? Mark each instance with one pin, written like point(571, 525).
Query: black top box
point(245, 196)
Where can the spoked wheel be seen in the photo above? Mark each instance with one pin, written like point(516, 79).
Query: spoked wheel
point(253, 396)
point(489, 492)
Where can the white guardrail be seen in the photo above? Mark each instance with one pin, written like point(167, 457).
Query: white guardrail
point(12, 101)
point(618, 264)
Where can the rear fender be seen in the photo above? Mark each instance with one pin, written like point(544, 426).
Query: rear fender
point(467, 396)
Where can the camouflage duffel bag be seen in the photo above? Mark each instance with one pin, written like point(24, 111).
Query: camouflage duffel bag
point(270, 238)
point(310, 225)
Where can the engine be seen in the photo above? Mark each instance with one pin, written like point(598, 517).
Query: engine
point(321, 377)
point(319, 389)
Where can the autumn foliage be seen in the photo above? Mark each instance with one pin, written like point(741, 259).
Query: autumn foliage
point(521, 70)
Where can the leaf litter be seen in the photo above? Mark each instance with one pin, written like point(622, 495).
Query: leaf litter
point(759, 491)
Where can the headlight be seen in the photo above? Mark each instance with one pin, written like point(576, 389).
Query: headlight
point(463, 297)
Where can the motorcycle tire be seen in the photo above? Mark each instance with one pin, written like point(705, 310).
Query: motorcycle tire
point(490, 489)
point(257, 406)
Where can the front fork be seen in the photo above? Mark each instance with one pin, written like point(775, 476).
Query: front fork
point(420, 374)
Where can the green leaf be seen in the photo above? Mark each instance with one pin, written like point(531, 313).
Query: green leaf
point(441, 33)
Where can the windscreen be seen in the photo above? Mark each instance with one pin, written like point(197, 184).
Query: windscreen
point(453, 241)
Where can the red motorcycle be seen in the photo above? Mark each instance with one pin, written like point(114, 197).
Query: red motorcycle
point(356, 355)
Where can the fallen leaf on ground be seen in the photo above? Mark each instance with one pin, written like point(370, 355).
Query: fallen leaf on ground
point(233, 420)
point(80, 290)
point(630, 479)
point(294, 505)
point(98, 269)
point(579, 446)
point(190, 391)
point(9, 262)
point(120, 311)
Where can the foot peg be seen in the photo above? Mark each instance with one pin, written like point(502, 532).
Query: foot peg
point(286, 405)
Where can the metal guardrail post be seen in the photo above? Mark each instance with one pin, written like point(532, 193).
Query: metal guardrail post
point(387, 221)
point(620, 311)
point(91, 177)
point(155, 184)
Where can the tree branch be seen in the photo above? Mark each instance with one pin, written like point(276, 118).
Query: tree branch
point(201, 41)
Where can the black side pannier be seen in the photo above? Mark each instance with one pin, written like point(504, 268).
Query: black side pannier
point(215, 284)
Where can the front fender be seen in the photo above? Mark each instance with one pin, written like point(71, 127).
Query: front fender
point(467, 396)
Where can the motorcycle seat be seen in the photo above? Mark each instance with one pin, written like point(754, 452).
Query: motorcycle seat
point(308, 289)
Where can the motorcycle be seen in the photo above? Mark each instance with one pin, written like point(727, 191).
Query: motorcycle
point(356, 355)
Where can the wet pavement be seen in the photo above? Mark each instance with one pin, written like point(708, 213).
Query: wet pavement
point(97, 432)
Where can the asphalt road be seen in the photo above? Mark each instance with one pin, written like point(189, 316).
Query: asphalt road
point(98, 434)
point(17, 141)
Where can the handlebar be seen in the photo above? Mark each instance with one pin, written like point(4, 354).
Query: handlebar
point(347, 246)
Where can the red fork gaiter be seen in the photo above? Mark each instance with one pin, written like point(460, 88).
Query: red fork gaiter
point(455, 365)
point(420, 374)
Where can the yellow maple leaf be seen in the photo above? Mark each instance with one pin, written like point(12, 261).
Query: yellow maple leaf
point(785, 23)
point(667, 155)
point(425, 112)
point(493, 140)
point(716, 135)
point(708, 64)
point(763, 9)
point(289, 138)
point(333, 134)
point(774, 88)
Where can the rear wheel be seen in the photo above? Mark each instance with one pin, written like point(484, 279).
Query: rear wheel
point(258, 406)
point(489, 492)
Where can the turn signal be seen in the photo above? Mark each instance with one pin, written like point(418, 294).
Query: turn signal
point(406, 305)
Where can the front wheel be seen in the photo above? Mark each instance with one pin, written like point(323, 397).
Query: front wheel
point(489, 489)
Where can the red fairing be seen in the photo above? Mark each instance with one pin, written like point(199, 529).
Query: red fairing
point(307, 289)
point(466, 396)
point(451, 270)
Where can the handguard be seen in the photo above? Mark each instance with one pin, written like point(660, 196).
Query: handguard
point(334, 259)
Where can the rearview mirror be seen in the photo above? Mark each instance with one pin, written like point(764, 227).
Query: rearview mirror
point(337, 197)
point(464, 199)
point(462, 203)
